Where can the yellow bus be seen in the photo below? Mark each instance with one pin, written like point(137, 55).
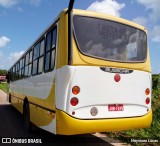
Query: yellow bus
point(87, 72)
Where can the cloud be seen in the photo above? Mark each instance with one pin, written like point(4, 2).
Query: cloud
point(1, 54)
point(13, 57)
point(11, 3)
point(107, 6)
point(35, 2)
point(156, 34)
point(154, 6)
point(3, 64)
point(2, 60)
point(9, 60)
point(8, 3)
point(20, 9)
point(141, 20)
point(4, 41)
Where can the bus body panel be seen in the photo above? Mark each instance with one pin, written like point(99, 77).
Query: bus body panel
point(40, 92)
point(63, 78)
point(16, 90)
point(62, 52)
point(67, 125)
point(51, 127)
point(99, 89)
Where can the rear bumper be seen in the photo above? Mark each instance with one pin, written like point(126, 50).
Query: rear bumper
point(67, 125)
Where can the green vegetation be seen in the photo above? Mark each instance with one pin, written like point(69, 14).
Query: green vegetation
point(3, 72)
point(4, 87)
point(152, 132)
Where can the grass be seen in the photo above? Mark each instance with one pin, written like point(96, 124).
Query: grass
point(4, 87)
point(152, 132)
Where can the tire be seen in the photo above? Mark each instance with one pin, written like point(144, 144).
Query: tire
point(26, 116)
point(9, 98)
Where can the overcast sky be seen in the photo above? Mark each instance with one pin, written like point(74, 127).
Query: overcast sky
point(22, 21)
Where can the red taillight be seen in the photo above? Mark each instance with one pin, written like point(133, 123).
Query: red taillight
point(75, 90)
point(147, 100)
point(117, 77)
point(147, 91)
point(74, 101)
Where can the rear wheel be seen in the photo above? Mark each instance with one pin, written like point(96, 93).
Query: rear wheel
point(9, 97)
point(26, 116)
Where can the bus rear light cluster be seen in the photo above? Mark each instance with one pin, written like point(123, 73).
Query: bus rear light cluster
point(147, 100)
point(147, 91)
point(74, 101)
point(75, 90)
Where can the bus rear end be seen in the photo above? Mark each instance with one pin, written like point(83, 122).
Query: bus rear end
point(108, 85)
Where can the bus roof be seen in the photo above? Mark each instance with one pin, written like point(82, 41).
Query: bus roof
point(108, 17)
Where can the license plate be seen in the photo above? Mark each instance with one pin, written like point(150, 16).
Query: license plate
point(115, 107)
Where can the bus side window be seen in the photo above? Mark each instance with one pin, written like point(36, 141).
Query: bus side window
point(22, 72)
point(50, 50)
point(35, 59)
point(21, 69)
point(41, 57)
point(26, 65)
point(13, 75)
point(26, 71)
point(53, 51)
point(47, 51)
point(17, 71)
point(30, 63)
point(38, 55)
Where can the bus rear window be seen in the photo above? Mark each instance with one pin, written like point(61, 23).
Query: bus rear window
point(110, 40)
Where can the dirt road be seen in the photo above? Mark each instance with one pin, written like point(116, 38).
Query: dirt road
point(3, 98)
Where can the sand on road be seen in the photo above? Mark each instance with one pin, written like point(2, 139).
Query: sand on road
point(3, 98)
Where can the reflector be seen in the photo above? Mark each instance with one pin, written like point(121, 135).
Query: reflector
point(74, 101)
point(117, 77)
point(147, 91)
point(94, 111)
point(75, 90)
point(147, 100)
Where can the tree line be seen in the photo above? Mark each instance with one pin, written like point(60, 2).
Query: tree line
point(155, 81)
point(3, 72)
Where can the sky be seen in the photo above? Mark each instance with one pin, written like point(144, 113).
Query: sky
point(22, 21)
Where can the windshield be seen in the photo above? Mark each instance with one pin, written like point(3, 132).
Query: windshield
point(109, 40)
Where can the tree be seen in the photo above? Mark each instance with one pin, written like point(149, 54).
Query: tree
point(155, 82)
point(3, 72)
